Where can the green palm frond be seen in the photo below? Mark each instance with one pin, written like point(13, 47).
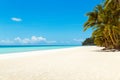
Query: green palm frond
point(105, 22)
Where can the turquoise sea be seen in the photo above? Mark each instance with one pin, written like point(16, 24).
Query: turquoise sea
point(14, 49)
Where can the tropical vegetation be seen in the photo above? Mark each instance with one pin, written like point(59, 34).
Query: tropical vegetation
point(88, 41)
point(105, 22)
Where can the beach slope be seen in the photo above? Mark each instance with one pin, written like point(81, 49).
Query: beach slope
point(78, 63)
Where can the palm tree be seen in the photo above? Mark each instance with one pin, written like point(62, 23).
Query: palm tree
point(105, 21)
point(113, 7)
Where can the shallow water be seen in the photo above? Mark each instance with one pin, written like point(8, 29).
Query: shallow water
point(14, 49)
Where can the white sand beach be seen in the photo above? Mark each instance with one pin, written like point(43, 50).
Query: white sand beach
point(78, 63)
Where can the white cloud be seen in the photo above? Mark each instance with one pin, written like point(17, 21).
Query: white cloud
point(16, 19)
point(26, 40)
point(37, 39)
point(18, 39)
point(33, 40)
point(6, 41)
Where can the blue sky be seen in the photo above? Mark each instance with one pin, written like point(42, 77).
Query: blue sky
point(44, 21)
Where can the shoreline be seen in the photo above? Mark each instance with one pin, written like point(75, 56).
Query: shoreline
point(28, 53)
point(78, 63)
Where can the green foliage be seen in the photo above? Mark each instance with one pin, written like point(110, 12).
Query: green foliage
point(88, 41)
point(105, 21)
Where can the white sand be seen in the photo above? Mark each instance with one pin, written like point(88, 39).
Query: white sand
point(79, 63)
